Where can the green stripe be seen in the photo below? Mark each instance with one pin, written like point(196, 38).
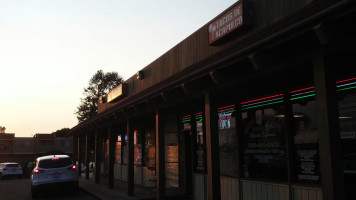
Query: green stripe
point(301, 97)
point(353, 87)
point(262, 105)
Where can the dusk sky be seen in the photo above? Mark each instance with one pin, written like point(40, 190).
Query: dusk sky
point(49, 50)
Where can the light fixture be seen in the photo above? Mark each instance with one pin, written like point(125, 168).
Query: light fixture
point(139, 75)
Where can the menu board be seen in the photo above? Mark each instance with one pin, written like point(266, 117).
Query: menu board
point(118, 153)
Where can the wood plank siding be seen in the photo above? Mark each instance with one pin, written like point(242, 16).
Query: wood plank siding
point(253, 190)
point(229, 188)
point(194, 50)
point(199, 186)
point(305, 193)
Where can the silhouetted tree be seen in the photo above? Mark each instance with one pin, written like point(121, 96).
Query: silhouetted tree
point(64, 132)
point(100, 84)
point(2, 129)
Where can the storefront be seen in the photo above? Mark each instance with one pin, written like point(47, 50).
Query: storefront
point(260, 103)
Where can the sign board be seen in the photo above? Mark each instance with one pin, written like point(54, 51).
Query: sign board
point(226, 23)
point(115, 93)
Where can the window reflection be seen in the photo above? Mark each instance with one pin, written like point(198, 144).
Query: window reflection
point(306, 142)
point(264, 153)
point(227, 141)
point(347, 119)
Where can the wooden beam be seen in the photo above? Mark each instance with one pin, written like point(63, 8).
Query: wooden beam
point(217, 76)
point(160, 157)
point(79, 157)
point(97, 157)
point(289, 140)
point(75, 148)
point(329, 131)
point(111, 160)
point(321, 34)
point(130, 159)
point(87, 153)
point(212, 147)
point(186, 87)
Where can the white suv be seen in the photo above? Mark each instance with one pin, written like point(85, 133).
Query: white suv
point(53, 172)
point(9, 169)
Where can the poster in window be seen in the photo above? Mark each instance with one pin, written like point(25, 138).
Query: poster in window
point(118, 153)
point(264, 149)
point(308, 163)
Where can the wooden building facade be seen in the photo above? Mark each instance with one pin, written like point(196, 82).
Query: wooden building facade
point(260, 103)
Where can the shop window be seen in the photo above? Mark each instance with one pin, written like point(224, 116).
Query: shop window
point(150, 149)
point(264, 149)
point(199, 150)
point(200, 144)
point(118, 150)
point(171, 152)
point(124, 149)
point(306, 135)
point(227, 141)
point(347, 119)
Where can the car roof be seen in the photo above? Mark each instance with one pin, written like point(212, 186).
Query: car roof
point(6, 163)
point(51, 156)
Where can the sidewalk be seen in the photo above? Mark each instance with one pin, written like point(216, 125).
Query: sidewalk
point(119, 192)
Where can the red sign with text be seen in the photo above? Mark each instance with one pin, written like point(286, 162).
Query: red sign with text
point(229, 21)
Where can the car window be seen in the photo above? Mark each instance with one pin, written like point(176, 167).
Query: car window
point(13, 165)
point(54, 163)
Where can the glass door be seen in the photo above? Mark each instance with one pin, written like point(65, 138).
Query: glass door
point(171, 152)
point(347, 119)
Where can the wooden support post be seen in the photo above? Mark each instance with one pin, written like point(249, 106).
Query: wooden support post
point(130, 160)
point(188, 156)
point(329, 131)
point(289, 140)
point(240, 139)
point(87, 153)
point(212, 148)
point(79, 161)
point(97, 157)
point(194, 141)
point(111, 159)
point(160, 160)
point(75, 148)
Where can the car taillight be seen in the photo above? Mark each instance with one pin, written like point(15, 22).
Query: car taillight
point(37, 171)
point(73, 167)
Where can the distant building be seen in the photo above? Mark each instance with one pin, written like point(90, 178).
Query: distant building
point(25, 149)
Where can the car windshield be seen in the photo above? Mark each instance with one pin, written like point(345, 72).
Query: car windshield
point(54, 163)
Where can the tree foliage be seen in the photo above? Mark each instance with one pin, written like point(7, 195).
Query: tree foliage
point(2, 129)
point(64, 132)
point(100, 84)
